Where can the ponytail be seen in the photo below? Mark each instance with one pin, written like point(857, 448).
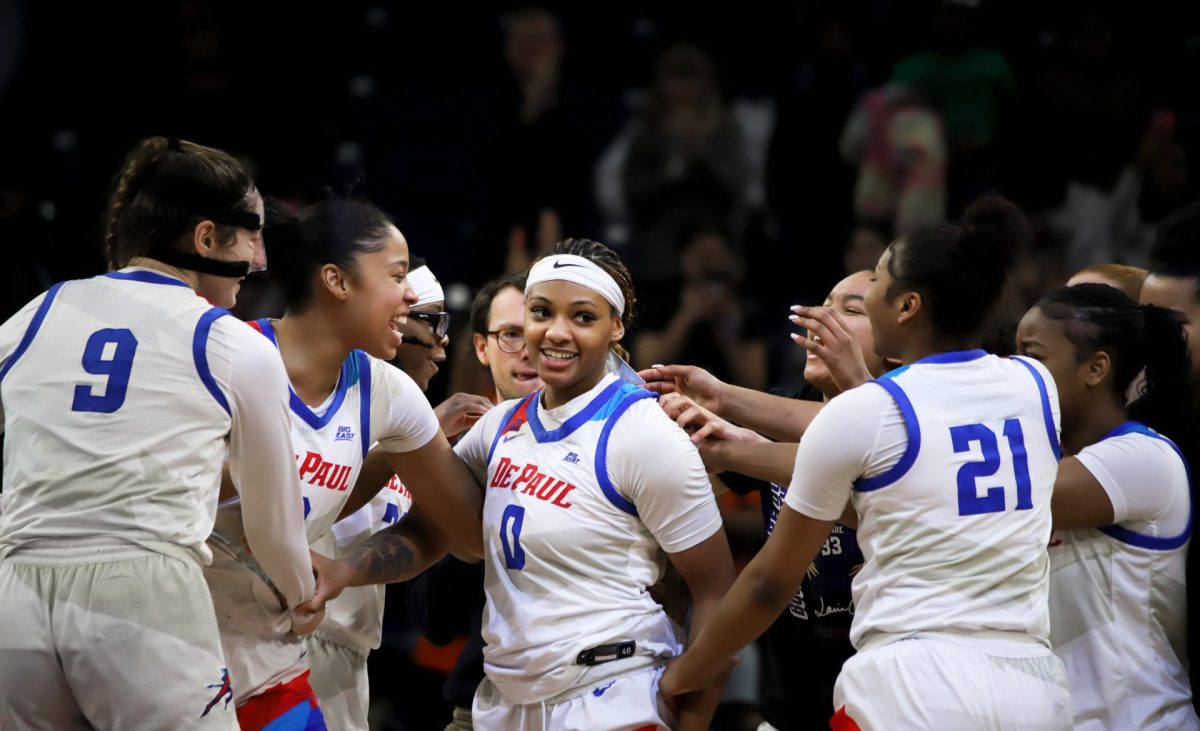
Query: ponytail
point(1163, 401)
point(1138, 339)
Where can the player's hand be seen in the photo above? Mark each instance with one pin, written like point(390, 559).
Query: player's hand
point(701, 423)
point(457, 413)
point(332, 577)
point(682, 676)
point(306, 623)
point(696, 383)
point(830, 340)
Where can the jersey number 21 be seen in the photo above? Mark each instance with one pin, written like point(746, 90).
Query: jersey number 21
point(970, 502)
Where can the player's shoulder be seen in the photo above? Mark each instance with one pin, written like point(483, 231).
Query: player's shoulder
point(387, 377)
point(643, 429)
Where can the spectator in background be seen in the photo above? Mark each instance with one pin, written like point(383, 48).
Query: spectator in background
point(970, 84)
point(809, 185)
point(714, 326)
point(1091, 117)
point(547, 134)
point(895, 139)
point(687, 166)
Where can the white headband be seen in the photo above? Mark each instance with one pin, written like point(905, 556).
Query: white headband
point(426, 286)
point(576, 269)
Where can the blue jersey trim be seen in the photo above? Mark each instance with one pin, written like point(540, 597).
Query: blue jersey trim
point(1047, 413)
point(954, 356)
point(1153, 543)
point(507, 420)
point(148, 278)
point(610, 491)
point(583, 416)
point(364, 399)
point(347, 377)
point(34, 325)
point(200, 355)
point(911, 426)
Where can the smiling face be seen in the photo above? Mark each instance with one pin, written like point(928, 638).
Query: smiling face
point(568, 330)
point(422, 350)
point(847, 299)
point(376, 297)
point(247, 246)
point(512, 373)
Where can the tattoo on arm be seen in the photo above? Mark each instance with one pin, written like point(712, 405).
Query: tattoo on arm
point(384, 559)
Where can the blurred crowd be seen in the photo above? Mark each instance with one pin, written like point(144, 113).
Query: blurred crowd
point(741, 158)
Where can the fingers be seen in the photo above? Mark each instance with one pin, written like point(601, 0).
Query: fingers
point(306, 623)
point(674, 404)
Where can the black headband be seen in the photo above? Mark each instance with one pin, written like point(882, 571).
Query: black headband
point(197, 263)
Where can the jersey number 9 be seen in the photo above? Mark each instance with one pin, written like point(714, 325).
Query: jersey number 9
point(992, 501)
point(108, 352)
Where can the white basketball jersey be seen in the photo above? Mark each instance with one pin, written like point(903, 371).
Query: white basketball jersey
point(567, 558)
point(954, 534)
point(355, 618)
point(1118, 607)
point(371, 399)
point(116, 413)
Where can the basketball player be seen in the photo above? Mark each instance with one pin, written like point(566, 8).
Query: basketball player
point(1122, 508)
point(587, 483)
point(121, 396)
point(949, 463)
point(344, 270)
point(353, 625)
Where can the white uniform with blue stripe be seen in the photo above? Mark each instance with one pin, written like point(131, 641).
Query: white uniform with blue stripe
point(372, 401)
point(121, 396)
point(353, 624)
point(950, 463)
point(581, 501)
point(1118, 602)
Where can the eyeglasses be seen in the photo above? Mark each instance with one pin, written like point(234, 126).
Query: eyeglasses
point(510, 341)
point(438, 321)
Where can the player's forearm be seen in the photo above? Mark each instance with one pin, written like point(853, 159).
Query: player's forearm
point(387, 557)
point(771, 461)
point(779, 418)
point(372, 477)
point(696, 709)
point(398, 553)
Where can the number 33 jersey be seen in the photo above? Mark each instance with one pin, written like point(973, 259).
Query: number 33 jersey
point(950, 464)
point(580, 502)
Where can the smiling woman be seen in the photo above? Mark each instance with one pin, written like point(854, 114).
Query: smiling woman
point(588, 484)
point(344, 268)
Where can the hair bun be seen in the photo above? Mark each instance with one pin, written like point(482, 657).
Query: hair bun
point(994, 231)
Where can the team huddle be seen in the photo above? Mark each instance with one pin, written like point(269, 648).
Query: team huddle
point(199, 514)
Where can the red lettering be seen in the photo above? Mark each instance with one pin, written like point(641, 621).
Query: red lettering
point(322, 475)
point(529, 471)
point(549, 489)
point(506, 479)
point(312, 461)
point(531, 488)
point(500, 470)
point(559, 499)
point(340, 479)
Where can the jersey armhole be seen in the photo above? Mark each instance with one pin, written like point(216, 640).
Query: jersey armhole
point(606, 486)
point(911, 428)
point(1047, 412)
point(34, 325)
point(364, 400)
point(200, 355)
